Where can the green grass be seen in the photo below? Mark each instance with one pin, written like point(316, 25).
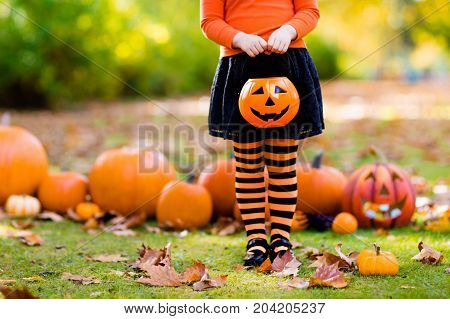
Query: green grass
point(220, 254)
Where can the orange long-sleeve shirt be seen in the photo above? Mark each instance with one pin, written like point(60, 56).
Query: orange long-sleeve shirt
point(221, 20)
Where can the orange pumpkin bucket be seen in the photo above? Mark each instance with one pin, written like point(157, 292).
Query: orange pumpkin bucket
point(269, 102)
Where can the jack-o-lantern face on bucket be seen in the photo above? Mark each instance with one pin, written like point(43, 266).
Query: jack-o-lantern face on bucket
point(269, 102)
point(380, 195)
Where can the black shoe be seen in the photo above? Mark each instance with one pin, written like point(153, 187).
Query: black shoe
point(256, 257)
point(282, 242)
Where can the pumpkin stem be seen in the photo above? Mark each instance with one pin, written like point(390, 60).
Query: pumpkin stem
point(317, 160)
point(5, 120)
point(377, 249)
point(377, 153)
point(191, 178)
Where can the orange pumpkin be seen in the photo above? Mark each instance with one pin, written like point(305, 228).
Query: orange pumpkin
point(23, 162)
point(320, 188)
point(218, 179)
point(125, 180)
point(87, 210)
point(377, 262)
point(380, 195)
point(60, 191)
point(269, 102)
point(344, 223)
point(184, 206)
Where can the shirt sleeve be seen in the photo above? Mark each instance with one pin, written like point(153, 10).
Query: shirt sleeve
point(212, 22)
point(306, 16)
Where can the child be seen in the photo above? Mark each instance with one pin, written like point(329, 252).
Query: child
point(261, 39)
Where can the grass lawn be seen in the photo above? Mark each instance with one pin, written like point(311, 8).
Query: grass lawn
point(220, 254)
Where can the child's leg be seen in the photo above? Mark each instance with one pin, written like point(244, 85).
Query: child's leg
point(280, 157)
point(250, 192)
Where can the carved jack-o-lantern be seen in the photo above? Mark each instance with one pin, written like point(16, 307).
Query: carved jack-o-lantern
point(380, 195)
point(269, 102)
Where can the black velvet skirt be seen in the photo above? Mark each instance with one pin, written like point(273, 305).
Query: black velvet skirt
point(232, 72)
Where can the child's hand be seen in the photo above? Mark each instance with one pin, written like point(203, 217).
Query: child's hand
point(280, 39)
point(249, 43)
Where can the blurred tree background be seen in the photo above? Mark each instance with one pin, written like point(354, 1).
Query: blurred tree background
point(156, 47)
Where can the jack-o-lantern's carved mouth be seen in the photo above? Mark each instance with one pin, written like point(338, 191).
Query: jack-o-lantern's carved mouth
point(270, 116)
point(377, 211)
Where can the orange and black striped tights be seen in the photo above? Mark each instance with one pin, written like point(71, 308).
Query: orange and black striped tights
point(279, 156)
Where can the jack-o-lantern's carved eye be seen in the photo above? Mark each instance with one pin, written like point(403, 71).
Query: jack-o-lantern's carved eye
point(395, 176)
point(370, 176)
point(259, 91)
point(279, 90)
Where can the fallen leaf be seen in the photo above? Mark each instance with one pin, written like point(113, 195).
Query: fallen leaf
point(95, 294)
point(22, 224)
point(107, 258)
point(47, 215)
point(350, 259)
point(226, 226)
point(207, 282)
point(7, 281)
point(328, 276)
point(14, 293)
point(344, 262)
point(80, 279)
point(152, 257)
point(182, 234)
point(134, 220)
point(34, 278)
point(161, 276)
point(428, 255)
point(381, 232)
point(286, 265)
point(447, 270)
point(296, 244)
point(124, 233)
point(31, 239)
point(239, 268)
point(73, 215)
point(265, 267)
point(194, 273)
point(310, 252)
point(407, 287)
point(153, 230)
point(295, 282)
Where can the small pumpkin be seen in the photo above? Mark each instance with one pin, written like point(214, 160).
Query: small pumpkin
point(300, 221)
point(87, 210)
point(380, 195)
point(320, 188)
point(22, 206)
point(344, 223)
point(377, 262)
point(61, 191)
point(184, 206)
point(126, 180)
point(269, 102)
point(23, 162)
point(218, 179)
